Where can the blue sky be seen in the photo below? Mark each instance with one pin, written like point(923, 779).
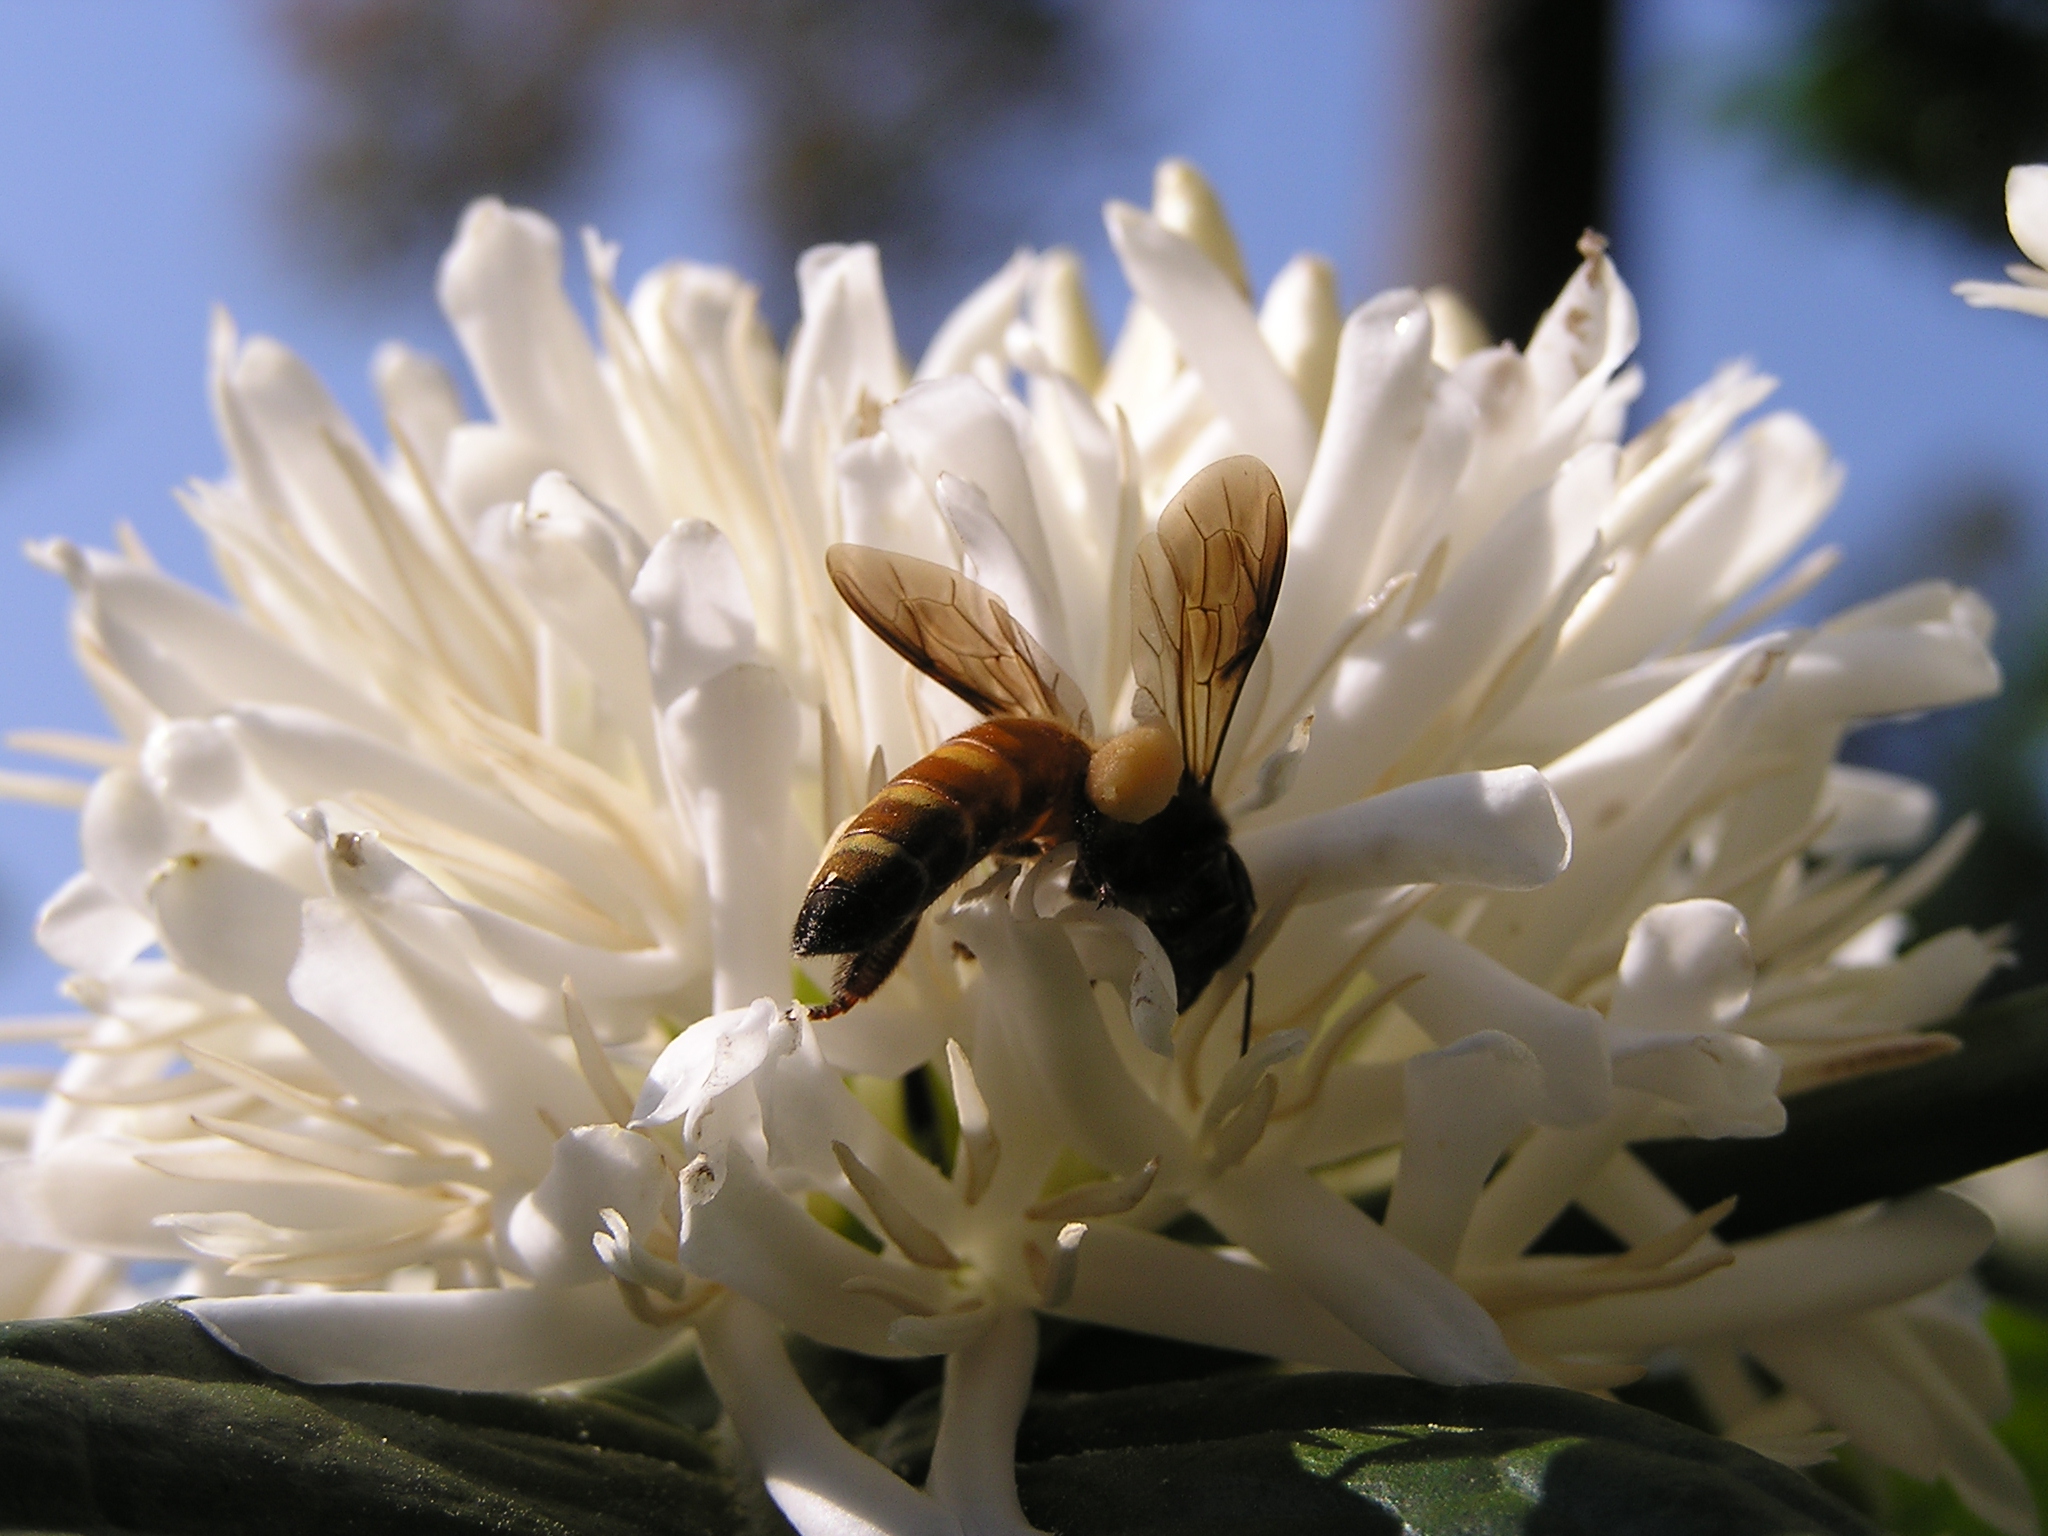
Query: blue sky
point(139, 165)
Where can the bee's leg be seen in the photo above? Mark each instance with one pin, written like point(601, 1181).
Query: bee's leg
point(861, 973)
point(1244, 1034)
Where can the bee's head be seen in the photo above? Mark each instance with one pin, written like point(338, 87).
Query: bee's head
point(1133, 776)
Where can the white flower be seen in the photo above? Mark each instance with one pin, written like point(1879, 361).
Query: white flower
point(564, 696)
point(2026, 213)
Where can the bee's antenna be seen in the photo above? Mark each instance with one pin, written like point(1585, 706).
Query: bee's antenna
point(1244, 1035)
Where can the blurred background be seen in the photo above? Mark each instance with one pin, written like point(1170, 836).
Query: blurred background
point(1795, 181)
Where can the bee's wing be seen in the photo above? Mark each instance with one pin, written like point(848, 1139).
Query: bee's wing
point(1202, 593)
point(956, 632)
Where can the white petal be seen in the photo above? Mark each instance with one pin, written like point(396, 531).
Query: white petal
point(691, 596)
point(1464, 991)
point(490, 466)
point(742, 1232)
point(1585, 335)
point(126, 831)
point(1627, 790)
point(809, 1114)
point(1219, 336)
point(975, 328)
point(1358, 1111)
point(887, 1037)
point(1551, 1169)
point(238, 928)
point(2026, 210)
point(974, 1461)
point(1830, 1268)
point(1062, 319)
point(1931, 981)
point(884, 505)
point(1837, 1371)
point(309, 757)
point(1948, 1325)
point(574, 561)
point(1984, 1473)
point(1300, 320)
point(731, 746)
point(953, 425)
point(292, 450)
point(636, 979)
point(707, 1061)
point(500, 285)
point(1723, 1084)
point(594, 1167)
point(1139, 1280)
point(84, 927)
point(705, 319)
point(1383, 698)
point(1343, 1258)
point(1378, 397)
point(990, 557)
point(1765, 493)
point(1139, 969)
point(467, 1340)
point(2027, 300)
point(1463, 1106)
point(111, 1194)
point(1501, 828)
point(846, 345)
point(1037, 998)
point(822, 1485)
point(435, 1028)
point(1887, 670)
point(422, 402)
point(192, 656)
point(1874, 813)
point(1687, 966)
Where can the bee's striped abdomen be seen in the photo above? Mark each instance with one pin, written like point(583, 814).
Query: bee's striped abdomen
point(1003, 782)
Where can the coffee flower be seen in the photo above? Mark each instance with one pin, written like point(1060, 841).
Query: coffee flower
point(2026, 214)
point(513, 753)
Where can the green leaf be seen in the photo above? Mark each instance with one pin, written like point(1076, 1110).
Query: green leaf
point(140, 1422)
point(1881, 1136)
point(1338, 1452)
point(1928, 99)
point(1342, 1452)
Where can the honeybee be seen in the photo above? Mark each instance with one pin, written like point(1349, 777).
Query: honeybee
point(1026, 779)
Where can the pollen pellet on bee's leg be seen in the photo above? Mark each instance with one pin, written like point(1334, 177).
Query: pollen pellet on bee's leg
point(1132, 776)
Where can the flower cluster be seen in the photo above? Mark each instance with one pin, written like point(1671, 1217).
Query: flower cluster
point(432, 935)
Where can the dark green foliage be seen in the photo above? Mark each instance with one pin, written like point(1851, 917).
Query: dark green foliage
point(1338, 1452)
point(138, 1422)
point(1930, 99)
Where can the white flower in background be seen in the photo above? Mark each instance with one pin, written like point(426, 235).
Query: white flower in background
point(564, 695)
point(2026, 214)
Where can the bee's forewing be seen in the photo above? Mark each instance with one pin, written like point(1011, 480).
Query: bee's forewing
point(956, 632)
point(1203, 587)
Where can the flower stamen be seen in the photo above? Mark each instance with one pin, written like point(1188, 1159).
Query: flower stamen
point(979, 1148)
point(1055, 1276)
point(918, 1242)
point(1101, 1197)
